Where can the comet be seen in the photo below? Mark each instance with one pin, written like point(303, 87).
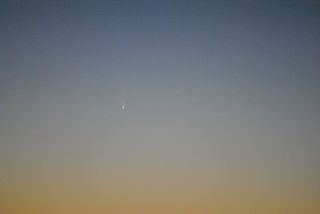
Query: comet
point(123, 104)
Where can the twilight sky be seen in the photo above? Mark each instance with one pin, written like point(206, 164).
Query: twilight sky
point(160, 106)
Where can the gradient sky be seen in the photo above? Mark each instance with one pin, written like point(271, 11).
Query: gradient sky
point(221, 100)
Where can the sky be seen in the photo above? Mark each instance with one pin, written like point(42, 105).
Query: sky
point(160, 106)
